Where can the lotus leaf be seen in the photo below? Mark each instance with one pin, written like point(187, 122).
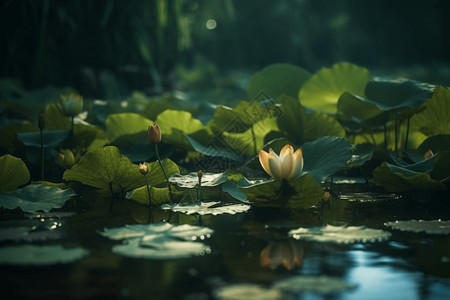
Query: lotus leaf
point(13, 173)
point(127, 128)
point(106, 168)
point(158, 195)
point(35, 197)
point(276, 80)
point(52, 138)
point(323, 89)
point(340, 234)
point(40, 255)
point(434, 119)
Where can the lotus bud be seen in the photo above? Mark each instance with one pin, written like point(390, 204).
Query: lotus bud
point(143, 169)
point(428, 154)
point(154, 134)
point(71, 104)
point(41, 121)
point(200, 174)
point(66, 158)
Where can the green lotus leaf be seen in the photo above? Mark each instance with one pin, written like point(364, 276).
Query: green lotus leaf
point(397, 179)
point(276, 80)
point(231, 188)
point(13, 173)
point(435, 143)
point(127, 128)
point(340, 234)
point(52, 138)
point(300, 127)
point(107, 168)
point(213, 150)
point(322, 91)
point(174, 124)
point(395, 94)
point(54, 119)
point(191, 180)
point(425, 165)
point(301, 193)
point(8, 136)
point(35, 197)
point(25, 255)
point(361, 154)
point(158, 195)
point(206, 208)
point(434, 119)
point(326, 156)
point(441, 170)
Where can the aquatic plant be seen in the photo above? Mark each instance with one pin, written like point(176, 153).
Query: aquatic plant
point(288, 165)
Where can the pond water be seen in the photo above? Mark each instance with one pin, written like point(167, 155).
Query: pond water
point(405, 266)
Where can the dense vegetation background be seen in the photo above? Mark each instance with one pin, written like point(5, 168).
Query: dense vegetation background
point(96, 46)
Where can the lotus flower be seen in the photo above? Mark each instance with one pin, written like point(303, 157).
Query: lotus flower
point(71, 104)
point(154, 134)
point(287, 165)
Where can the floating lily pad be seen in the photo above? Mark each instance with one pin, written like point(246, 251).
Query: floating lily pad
point(245, 291)
point(276, 80)
point(40, 255)
point(191, 180)
point(317, 284)
point(323, 89)
point(206, 208)
point(13, 173)
point(326, 156)
point(397, 179)
point(35, 197)
point(368, 197)
point(340, 234)
point(107, 166)
point(434, 118)
point(159, 241)
point(431, 227)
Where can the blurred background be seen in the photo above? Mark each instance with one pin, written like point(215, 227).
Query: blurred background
point(107, 49)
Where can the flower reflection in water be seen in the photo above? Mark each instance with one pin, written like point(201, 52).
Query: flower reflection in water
point(287, 253)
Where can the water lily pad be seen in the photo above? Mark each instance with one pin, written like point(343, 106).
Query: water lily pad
point(426, 165)
point(317, 284)
point(13, 173)
point(245, 291)
point(107, 167)
point(326, 156)
point(160, 240)
point(191, 180)
point(395, 94)
point(434, 118)
point(340, 234)
point(40, 255)
point(127, 128)
point(276, 80)
point(35, 197)
point(397, 179)
point(206, 208)
point(361, 154)
point(323, 89)
point(430, 227)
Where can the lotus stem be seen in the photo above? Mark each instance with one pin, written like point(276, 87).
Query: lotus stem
point(395, 134)
point(255, 150)
point(405, 147)
point(72, 124)
point(148, 191)
point(112, 199)
point(42, 154)
point(164, 171)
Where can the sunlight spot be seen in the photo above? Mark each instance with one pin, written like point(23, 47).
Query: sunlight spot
point(211, 24)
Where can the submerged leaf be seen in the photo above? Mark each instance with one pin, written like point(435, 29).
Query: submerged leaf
point(340, 234)
point(431, 227)
point(40, 255)
point(205, 208)
point(35, 197)
point(13, 173)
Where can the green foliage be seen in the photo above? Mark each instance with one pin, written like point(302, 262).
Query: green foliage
point(127, 128)
point(276, 80)
point(106, 168)
point(322, 91)
point(13, 173)
point(434, 119)
point(35, 197)
point(157, 195)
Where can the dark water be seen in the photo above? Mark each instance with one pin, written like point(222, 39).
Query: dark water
point(407, 266)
